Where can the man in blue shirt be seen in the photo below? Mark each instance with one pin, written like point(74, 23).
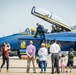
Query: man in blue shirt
point(40, 30)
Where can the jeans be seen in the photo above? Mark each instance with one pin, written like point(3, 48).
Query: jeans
point(43, 65)
point(7, 62)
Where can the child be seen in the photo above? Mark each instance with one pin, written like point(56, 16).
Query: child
point(70, 60)
point(38, 62)
point(63, 63)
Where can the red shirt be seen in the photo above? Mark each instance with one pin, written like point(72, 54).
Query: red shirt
point(5, 52)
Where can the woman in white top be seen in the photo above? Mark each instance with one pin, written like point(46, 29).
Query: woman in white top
point(42, 57)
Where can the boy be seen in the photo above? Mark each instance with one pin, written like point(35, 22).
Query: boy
point(70, 60)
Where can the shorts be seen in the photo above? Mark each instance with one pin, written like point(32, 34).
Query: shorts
point(62, 64)
point(70, 63)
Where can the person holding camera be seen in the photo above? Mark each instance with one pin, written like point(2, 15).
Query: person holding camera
point(5, 56)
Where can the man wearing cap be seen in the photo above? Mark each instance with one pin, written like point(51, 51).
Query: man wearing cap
point(30, 51)
point(54, 49)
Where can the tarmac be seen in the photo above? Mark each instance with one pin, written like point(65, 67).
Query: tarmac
point(18, 67)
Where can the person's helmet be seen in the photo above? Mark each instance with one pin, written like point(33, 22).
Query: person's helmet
point(32, 29)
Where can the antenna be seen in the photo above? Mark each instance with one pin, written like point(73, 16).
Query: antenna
point(51, 15)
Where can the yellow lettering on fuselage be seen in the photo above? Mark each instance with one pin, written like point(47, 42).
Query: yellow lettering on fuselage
point(22, 45)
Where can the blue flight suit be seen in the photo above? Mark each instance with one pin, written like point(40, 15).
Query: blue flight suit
point(40, 30)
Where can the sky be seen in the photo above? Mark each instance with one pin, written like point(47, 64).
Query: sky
point(15, 15)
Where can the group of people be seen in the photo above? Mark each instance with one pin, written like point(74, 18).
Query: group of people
point(30, 51)
point(57, 29)
point(43, 54)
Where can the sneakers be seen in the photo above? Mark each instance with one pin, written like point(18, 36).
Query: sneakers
point(66, 71)
point(41, 71)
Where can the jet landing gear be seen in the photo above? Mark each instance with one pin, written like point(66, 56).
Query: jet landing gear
point(19, 55)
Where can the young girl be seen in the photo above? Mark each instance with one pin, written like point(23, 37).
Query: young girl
point(63, 63)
